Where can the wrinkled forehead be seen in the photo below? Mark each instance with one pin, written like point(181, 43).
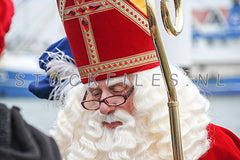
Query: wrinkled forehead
point(125, 80)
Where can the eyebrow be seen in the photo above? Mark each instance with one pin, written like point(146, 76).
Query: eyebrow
point(117, 84)
point(116, 80)
point(110, 87)
point(92, 89)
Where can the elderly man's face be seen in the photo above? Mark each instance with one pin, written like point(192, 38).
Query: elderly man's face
point(103, 91)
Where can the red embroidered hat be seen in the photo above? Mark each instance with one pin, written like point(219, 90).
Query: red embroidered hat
point(108, 36)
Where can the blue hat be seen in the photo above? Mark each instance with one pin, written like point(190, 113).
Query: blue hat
point(62, 49)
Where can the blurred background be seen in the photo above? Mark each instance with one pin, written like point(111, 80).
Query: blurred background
point(208, 49)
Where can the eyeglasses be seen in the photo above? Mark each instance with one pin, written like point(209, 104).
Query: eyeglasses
point(111, 101)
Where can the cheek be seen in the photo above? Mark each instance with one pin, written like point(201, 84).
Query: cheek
point(128, 106)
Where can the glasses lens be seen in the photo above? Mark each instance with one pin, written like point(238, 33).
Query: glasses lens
point(91, 104)
point(115, 100)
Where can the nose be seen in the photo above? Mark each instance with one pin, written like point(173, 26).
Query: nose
point(104, 108)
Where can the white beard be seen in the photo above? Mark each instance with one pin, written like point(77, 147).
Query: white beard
point(146, 135)
point(98, 142)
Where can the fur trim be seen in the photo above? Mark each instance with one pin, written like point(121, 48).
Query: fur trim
point(62, 71)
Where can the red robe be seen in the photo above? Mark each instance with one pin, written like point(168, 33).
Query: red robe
point(224, 144)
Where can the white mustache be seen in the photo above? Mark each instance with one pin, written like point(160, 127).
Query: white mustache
point(118, 116)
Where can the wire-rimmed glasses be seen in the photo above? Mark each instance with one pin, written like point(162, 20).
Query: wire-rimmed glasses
point(112, 101)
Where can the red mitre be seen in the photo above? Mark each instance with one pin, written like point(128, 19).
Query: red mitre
point(6, 13)
point(108, 36)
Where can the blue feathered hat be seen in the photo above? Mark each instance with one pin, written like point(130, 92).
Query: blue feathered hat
point(59, 51)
